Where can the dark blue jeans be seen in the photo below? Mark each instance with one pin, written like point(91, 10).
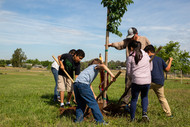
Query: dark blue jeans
point(84, 96)
point(55, 74)
point(135, 90)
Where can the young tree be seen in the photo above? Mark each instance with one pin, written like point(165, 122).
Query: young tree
point(181, 59)
point(18, 58)
point(115, 11)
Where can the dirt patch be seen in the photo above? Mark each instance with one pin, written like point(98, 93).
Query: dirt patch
point(109, 110)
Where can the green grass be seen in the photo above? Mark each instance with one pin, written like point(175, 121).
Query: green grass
point(26, 99)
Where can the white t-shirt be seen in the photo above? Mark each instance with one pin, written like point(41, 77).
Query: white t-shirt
point(55, 65)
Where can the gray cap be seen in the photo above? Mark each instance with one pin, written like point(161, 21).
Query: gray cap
point(131, 32)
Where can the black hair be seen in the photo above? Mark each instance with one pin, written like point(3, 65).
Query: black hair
point(149, 48)
point(136, 45)
point(72, 51)
point(80, 52)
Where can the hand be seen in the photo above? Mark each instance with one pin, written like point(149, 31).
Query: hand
point(113, 79)
point(171, 58)
point(62, 67)
point(109, 45)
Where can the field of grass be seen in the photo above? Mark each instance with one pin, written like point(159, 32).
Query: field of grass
point(26, 99)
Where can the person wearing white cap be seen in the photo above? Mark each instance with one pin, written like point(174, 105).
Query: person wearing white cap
point(132, 35)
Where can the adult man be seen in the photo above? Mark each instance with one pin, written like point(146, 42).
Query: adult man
point(132, 35)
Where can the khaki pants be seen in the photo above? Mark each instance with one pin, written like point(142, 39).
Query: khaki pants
point(159, 91)
point(64, 84)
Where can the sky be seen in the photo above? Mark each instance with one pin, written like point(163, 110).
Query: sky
point(42, 28)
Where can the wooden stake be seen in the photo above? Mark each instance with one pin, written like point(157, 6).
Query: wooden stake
point(106, 61)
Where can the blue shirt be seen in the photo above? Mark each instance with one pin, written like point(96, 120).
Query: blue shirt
point(88, 75)
point(157, 73)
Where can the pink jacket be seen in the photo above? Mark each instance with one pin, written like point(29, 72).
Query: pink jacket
point(140, 73)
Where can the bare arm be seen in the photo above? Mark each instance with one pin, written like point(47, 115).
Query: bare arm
point(92, 91)
point(169, 64)
point(60, 62)
point(76, 76)
point(102, 66)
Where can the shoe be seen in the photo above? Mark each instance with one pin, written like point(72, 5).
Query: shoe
point(132, 120)
point(68, 104)
point(103, 123)
point(62, 106)
point(145, 117)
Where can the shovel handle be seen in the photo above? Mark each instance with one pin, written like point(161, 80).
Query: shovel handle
point(118, 73)
point(63, 70)
point(155, 53)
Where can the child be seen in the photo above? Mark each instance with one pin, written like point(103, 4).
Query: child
point(158, 78)
point(54, 70)
point(69, 63)
point(84, 93)
point(138, 69)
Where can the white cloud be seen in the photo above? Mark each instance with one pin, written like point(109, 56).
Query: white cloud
point(81, 24)
point(18, 29)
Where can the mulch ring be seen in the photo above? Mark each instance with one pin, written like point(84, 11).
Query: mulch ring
point(110, 110)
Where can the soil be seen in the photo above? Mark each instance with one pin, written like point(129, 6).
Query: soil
point(110, 110)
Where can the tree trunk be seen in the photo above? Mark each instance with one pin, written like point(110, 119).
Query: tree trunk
point(106, 62)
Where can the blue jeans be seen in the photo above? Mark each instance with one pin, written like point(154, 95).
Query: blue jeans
point(55, 74)
point(84, 96)
point(135, 90)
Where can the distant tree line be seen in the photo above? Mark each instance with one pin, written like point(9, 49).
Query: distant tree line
point(181, 58)
point(19, 59)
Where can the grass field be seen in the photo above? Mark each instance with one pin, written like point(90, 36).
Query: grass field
point(26, 99)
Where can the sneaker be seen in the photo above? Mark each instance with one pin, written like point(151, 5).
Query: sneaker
point(132, 120)
point(103, 123)
point(68, 104)
point(62, 106)
point(145, 117)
